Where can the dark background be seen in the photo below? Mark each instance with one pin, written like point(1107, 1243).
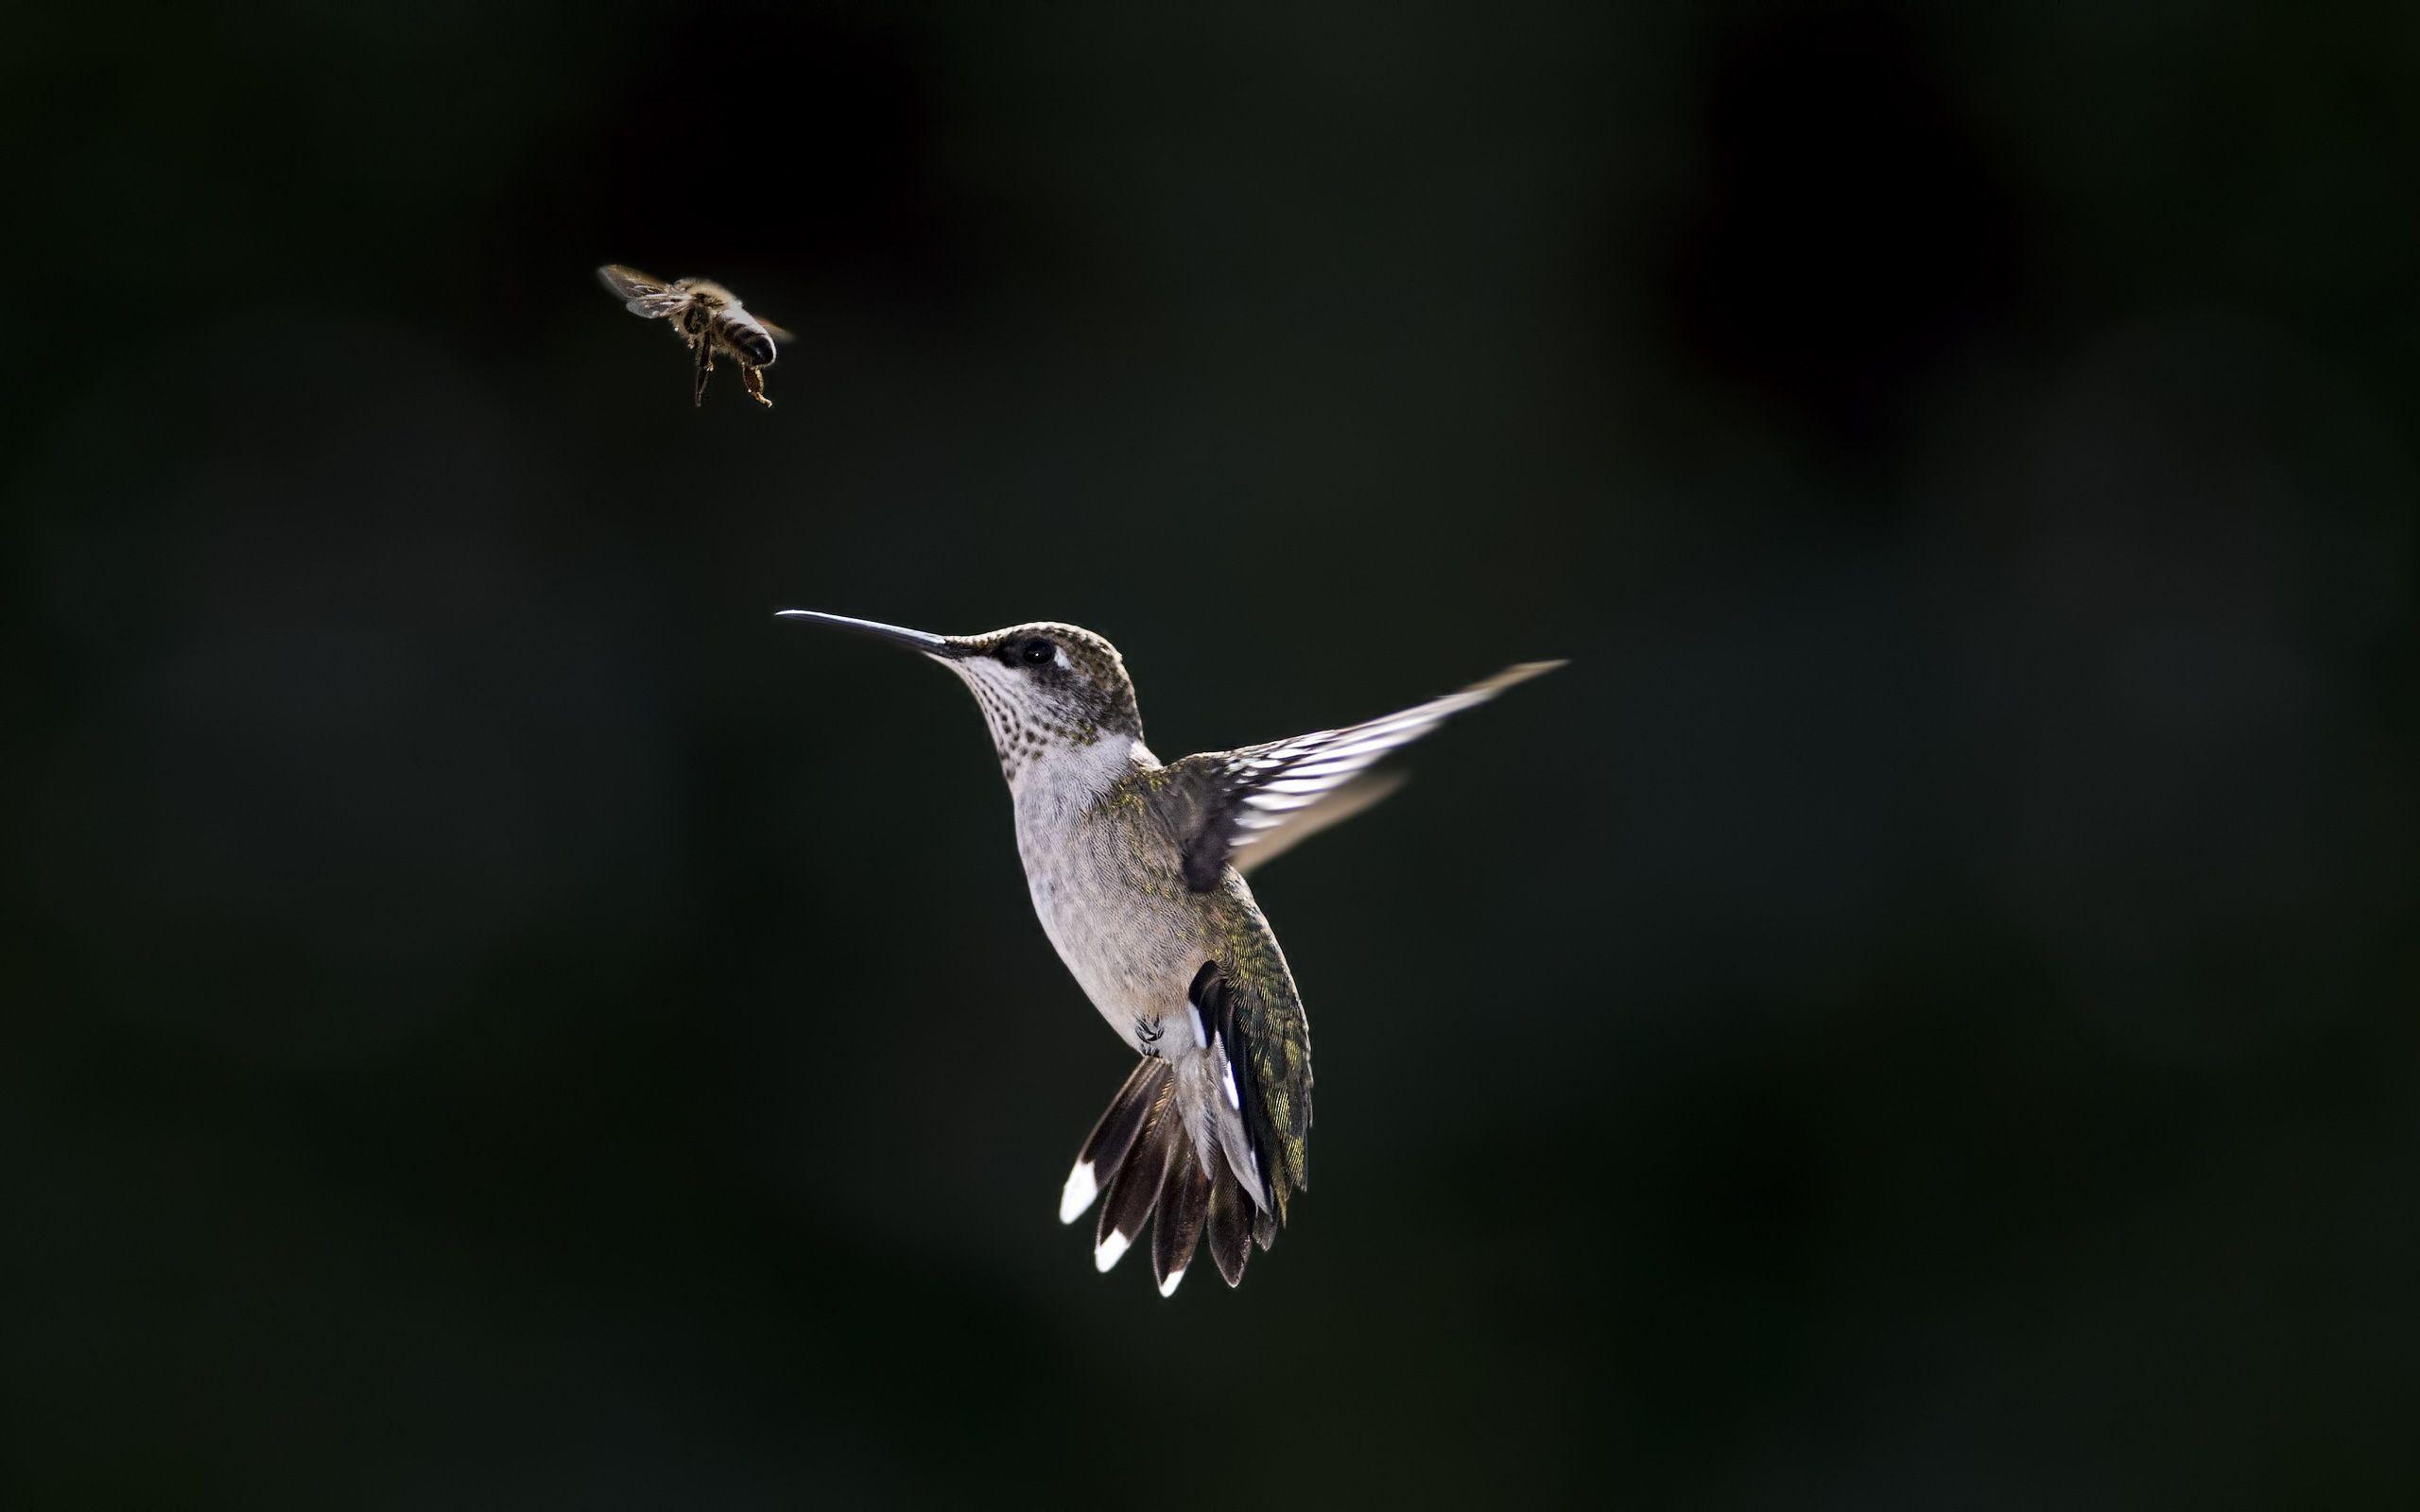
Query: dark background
point(1920, 1013)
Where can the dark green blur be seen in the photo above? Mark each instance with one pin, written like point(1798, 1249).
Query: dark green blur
point(1919, 1013)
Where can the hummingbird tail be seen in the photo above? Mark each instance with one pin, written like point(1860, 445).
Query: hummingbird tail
point(1141, 1165)
point(1139, 1103)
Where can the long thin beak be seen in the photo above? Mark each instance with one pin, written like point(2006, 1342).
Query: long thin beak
point(930, 645)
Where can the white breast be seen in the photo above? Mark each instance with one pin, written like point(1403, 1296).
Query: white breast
point(1130, 945)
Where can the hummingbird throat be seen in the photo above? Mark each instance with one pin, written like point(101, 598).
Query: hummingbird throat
point(1033, 727)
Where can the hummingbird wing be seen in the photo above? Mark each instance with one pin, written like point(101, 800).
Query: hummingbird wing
point(1261, 1045)
point(1355, 795)
point(1257, 802)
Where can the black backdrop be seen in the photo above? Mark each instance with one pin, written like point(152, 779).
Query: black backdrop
point(1919, 1013)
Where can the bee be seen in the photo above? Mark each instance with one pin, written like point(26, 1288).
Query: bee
point(707, 316)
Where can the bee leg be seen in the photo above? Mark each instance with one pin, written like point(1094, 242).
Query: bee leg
point(706, 371)
point(754, 377)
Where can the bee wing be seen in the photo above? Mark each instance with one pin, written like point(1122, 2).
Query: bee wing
point(641, 295)
point(779, 332)
point(629, 281)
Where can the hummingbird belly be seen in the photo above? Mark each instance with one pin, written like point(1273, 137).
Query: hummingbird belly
point(1130, 933)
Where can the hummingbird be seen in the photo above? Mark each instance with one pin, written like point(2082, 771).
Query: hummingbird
point(1136, 870)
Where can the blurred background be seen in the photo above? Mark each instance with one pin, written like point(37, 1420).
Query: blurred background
point(1920, 1013)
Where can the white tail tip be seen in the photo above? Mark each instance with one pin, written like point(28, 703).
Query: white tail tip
point(1079, 1193)
point(1167, 1288)
point(1111, 1250)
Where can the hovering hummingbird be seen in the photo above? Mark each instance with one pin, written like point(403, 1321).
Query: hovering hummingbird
point(1136, 868)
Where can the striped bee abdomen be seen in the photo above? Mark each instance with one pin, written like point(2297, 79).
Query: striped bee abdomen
point(748, 339)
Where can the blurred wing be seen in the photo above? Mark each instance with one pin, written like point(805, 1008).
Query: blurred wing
point(640, 294)
point(1351, 798)
point(1264, 799)
point(780, 333)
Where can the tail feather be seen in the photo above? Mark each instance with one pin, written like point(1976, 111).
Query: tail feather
point(1176, 1231)
point(1105, 1148)
point(1141, 1165)
point(1136, 1189)
point(1230, 1212)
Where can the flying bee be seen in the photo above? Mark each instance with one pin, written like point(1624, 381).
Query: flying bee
point(707, 316)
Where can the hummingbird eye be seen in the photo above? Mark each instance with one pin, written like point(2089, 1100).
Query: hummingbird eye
point(1037, 652)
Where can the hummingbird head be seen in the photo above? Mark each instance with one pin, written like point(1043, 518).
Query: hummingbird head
point(1043, 687)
